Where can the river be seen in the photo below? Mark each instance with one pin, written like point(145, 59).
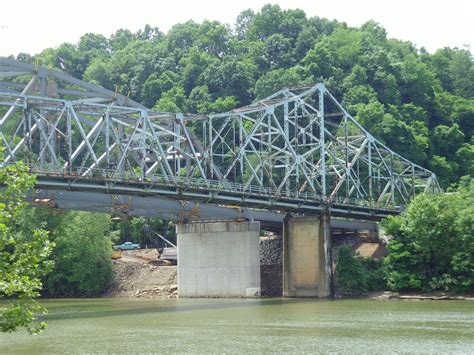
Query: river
point(249, 326)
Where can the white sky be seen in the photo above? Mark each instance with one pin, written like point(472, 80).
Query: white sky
point(32, 25)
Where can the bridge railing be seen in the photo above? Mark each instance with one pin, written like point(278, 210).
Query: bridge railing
point(192, 183)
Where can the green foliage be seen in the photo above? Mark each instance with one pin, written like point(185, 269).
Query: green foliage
point(278, 79)
point(143, 231)
point(350, 272)
point(23, 254)
point(356, 275)
point(375, 273)
point(82, 253)
point(171, 101)
point(432, 244)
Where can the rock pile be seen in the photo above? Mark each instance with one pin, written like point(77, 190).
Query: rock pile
point(271, 251)
point(166, 291)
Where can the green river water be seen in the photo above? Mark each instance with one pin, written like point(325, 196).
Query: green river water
point(249, 326)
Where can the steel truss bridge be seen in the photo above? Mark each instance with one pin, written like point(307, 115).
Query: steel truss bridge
point(297, 150)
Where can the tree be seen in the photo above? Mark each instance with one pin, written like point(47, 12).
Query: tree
point(82, 256)
point(455, 69)
point(151, 90)
point(277, 52)
point(447, 140)
point(278, 79)
point(171, 101)
point(99, 74)
point(465, 159)
point(350, 273)
point(230, 78)
point(199, 100)
point(244, 19)
point(23, 254)
point(120, 39)
point(432, 245)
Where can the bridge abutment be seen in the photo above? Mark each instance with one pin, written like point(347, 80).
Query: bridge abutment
point(218, 259)
point(307, 264)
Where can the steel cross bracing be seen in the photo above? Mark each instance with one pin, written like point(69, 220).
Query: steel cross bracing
point(295, 150)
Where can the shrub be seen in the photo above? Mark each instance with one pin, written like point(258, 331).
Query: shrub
point(350, 272)
point(432, 244)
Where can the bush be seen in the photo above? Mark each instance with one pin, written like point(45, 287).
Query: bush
point(83, 263)
point(82, 252)
point(350, 272)
point(432, 246)
point(375, 274)
point(356, 275)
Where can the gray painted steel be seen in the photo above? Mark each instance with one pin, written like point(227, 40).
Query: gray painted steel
point(169, 209)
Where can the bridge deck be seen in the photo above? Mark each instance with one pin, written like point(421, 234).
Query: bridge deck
point(217, 193)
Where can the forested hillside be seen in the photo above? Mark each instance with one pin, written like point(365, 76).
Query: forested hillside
point(420, 104)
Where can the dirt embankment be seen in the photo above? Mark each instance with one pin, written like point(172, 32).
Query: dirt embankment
point(137, 277)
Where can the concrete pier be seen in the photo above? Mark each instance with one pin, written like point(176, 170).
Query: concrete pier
point(218, 259)
point(307, 265)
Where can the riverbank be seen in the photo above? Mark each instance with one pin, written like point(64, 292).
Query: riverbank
point(137, 276)
point(138, 279)
point(416, 296)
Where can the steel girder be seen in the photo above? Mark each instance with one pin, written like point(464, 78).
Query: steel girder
point(303, 140)
point(295, 145)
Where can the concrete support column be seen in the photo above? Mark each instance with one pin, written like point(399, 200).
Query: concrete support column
point(218, 259)
point(307, 264)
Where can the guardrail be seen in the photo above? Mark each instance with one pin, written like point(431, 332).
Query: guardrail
point(184, 182)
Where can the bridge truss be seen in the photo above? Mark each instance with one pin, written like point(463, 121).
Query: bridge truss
point(297, 149)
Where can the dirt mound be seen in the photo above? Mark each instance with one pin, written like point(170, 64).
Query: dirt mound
point(139, 255)
point(138, 279)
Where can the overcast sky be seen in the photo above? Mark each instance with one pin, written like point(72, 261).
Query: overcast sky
point(32, 25)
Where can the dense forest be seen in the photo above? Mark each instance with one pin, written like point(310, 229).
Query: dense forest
point(420, 104)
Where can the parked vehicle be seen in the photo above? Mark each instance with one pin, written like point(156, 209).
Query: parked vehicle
point(127, 246)
point(169, 254)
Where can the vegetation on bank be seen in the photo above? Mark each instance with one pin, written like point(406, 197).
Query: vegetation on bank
point(357, 275)
point(83, 247)
point(431, 248)
point(82, 252)
point(432, 245)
